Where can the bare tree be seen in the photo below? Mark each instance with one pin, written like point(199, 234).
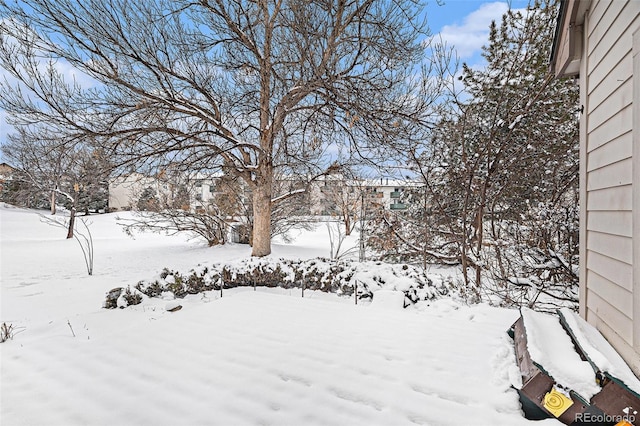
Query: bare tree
point(339, 195)
point(43, 164)
point(82, 236)
point(72, 174)
point(253, 84)
point(208, 224)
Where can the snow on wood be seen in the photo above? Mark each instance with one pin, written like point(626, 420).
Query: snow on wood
point(550, 347)
point(599, 351)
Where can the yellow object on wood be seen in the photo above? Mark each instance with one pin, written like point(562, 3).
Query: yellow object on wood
point(557, 402)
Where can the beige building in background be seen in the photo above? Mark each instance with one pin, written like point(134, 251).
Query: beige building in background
point(5, 174)
point(124, 191)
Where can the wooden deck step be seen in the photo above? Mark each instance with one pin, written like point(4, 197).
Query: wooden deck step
point(570, 372)
point(620, 394)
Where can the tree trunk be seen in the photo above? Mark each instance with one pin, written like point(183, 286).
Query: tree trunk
point(72, 222)
point(53, 202)
point(464, 261)
point(262, 219)
point(479, 236)
point(347, 225)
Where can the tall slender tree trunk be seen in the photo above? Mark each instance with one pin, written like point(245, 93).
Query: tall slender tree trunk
point(262, 215)
point(72, 223)
point(53, 202)
point(347, 224)
point(263, 190)
point(479, 234)
point(72, 214)
point(464, 260)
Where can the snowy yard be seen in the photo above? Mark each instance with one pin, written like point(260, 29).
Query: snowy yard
point(250, 358)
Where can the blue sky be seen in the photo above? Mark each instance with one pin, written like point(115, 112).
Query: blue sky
point(465, 23)
point(461, 23)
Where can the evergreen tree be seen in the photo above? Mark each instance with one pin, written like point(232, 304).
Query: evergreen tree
point(513, 148)
point(148, 200)
point(501, 171)
point(91, 179)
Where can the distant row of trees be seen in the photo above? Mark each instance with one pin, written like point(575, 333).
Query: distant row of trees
point(51, 173)
point(48, 172)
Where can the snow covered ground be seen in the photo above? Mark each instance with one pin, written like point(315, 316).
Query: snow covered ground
point(250, 358)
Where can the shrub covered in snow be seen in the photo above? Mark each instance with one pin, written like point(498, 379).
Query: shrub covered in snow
point(130, 298)
point(262, 272)
point(111, 301)
point(334, 276)
point(180, 285)
point(121, 298)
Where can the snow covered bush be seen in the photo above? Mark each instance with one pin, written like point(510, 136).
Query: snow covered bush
point(258, 271)
point(176, 283)
point(131, 297)
point(120, 297)
point(534, 264)
point(111, 301)
point(340, 277)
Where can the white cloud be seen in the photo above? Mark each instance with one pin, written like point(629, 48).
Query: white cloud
point(469, 37)
point(72, 74)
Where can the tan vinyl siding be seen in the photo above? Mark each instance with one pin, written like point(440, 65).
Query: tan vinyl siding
point(617, 198)
point(604, 36)
point(623, 348)
point(616, 149)
point(623, 246)
point(598, 9)
point(619, 74)
point(618, 99)
point(619, 273)
point(615, 174)
point(617, 296)
point(609, 170)
point(610, 315)
point(611, 222)
point(617, 125)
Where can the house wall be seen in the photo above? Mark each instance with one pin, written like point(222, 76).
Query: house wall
point(203, 192)
point(387, 193)
point(607, 256)
point(125, 190)
point(5, 174)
